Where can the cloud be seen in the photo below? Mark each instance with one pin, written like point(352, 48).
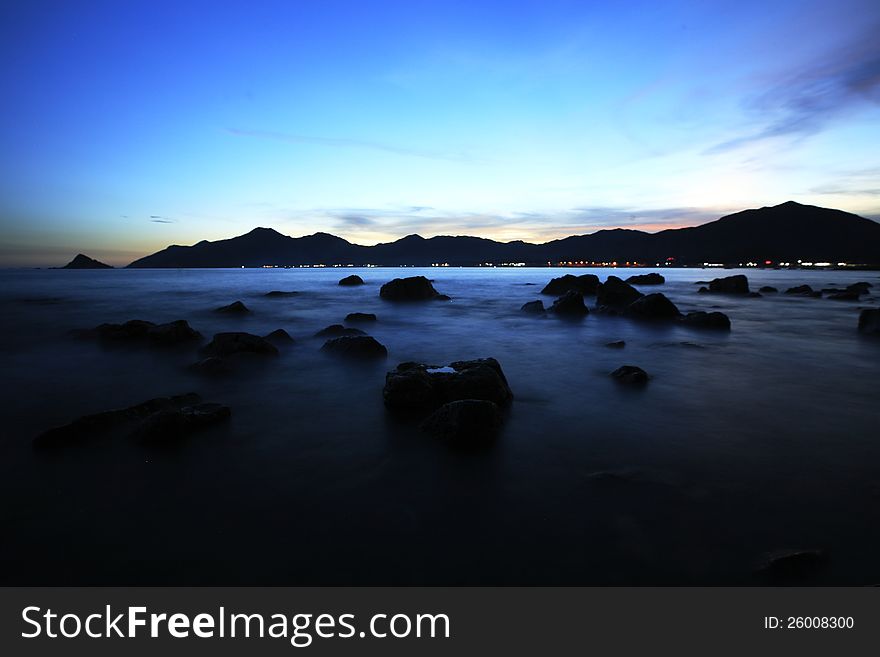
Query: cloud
point(460, 157)
point(157, 219)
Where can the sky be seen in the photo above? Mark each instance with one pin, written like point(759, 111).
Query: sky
point(129, 126)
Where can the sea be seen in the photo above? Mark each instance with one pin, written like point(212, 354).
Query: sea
point(742, 444)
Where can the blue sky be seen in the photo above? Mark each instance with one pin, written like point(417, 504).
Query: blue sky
point(128, 126)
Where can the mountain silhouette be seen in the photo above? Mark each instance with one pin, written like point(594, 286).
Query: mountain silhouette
point(85, 262)
point(783, 233)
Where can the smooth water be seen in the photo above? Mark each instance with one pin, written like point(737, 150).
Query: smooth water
point(761, 439)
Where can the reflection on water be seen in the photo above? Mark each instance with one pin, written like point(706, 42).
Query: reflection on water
point(742, 443)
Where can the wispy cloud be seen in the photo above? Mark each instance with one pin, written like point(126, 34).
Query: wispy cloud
point(157, 219)
point(460, 157)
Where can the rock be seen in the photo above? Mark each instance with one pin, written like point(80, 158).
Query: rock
point(337, 331)
point(415, 386)
point(652, 307)
point(88, 426)
point(354, 279)
point(585, 284)
point(173, 333)
point(755, 295)
point(466, 422)
point(703, 290)
point(227, 344)
point(535, 307)
point(619, 344)
point(869, 321)
point(738, 284)
point(174, 423)
point(768, 289)
point(279, 336)
point(704, 320)
point(211, 366)
point(862, 287)
point(845, 295)
point(234, 308)
point(138, 330)
point(570, 304)
point(646, 279)
point(790, 566)
point(280, 293)
point(414, 288)
point(443, 297)
point(803, 290)
point(360, 317)
point(701, 283)
point(356, 346)
point(630, 375)
point(616, 294)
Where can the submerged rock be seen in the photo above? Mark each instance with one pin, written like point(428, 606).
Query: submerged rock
point(845, 295)
point(337, 330)
point(354, 279)
point(465, 422)
point(802, 290)
point(280, 293)
point(618, 344)
point(414, 288)
point(443, 297)
point(175, 423)
point(768, 289)
point(703, 290)
point(630, 375)
point(212, 366)
point(279, 336)
point(861, 287)
point(534, 307)
point(704, 320)
point(415, 386)
point(869, 321)
point(234, 308)
point(584, 284)
point(646, 279)
point(172, 333)
point(570, 304)
point(227, 344)
point(360, 317)
point(138, 330)
point(652, 307)
point(616, 294)
point(356, 346)
point(737, 284)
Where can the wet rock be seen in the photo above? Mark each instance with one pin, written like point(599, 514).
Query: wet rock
point(138, 330)
point(755, 295)
point(534, 307)
point(844, 295)
point(584, 284)
point(465, 422)
point(89, 426)
point(212, 366)
point(279, 293)
point(414, 288)
point(738, 284)
point(792, 566)
point(869, 321)
point(360, 317)
point(652, 307)
point(801, 290)
point(703, 320)
point(768, 289)
point(234, 308)
point(173, 333)
point(861, 287)
point(337, 331)
point(630, 375)
point(703, 290)
point(570, 304)
point(646, 279)
point(415, 386)
point(227, 344)
point(354, 279)
point(618, 344)
point(279, 336)
point(356, 346)
point(616, 294)
point(174, 423)
point(443, 297)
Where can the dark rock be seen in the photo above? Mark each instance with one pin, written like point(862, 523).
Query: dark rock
point(234, 308)
point(584, 284)
point(356, 346)
point(211, 366)
point(704, 320)
point(768, 289)
point(279, 336)
point(138, 330)
point(869, 321)
point(172, 333)
point(792, 566)
point(354, 279)
point(630, 374)
point(227, 344)
point(337, 331)
point(845, 295)
point(89, 426)
point(360, 317)
point(414, 288)
point(652, 307)
point(701, 283)
point(570, 304)
point(280, 293)
point(414, 386)
point(703, 290)
point(615, 293)
point(534, 307)
point(85, 262)
point(619, 344)
point(646, 279)
point(755, 295)
point(861, 287)
point(443, 297)
point(802, 290)
point(175, 423)
point(738, 284)
point(465, 422)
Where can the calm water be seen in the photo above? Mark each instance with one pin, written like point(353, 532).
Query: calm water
point(742, 443)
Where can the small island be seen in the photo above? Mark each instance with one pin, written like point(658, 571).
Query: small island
point(85, 262)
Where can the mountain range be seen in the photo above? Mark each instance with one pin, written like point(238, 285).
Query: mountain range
point(782, 233)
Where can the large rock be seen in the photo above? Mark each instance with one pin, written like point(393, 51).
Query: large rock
point(652, 307)
point(616, 294)
point(227, 344)
point(356, 346)
point(138, 330)
point(354, 279)
point(279, 336)
point(415, 386)
point(234, 308)
point(704, 320)
point(570, 304)
point(585, 284)
point(174, 423)
point(465, 422)
point(869, 321)
point(646, 279)
point(337, 331)
point(630, 375)
point(535, 307)
point(414, 288)
point(738, 284)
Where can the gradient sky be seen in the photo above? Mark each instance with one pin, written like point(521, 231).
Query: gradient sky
point(128, 126)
